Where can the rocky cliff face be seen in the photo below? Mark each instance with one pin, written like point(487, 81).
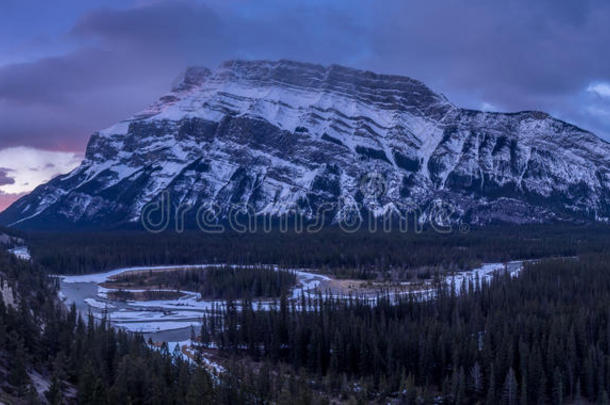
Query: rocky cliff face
point(282, 136)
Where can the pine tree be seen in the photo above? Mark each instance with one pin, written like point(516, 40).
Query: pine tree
point(603, 400)
point(410, 390)
point(98, 393)
point(510, 394)
point(523, 397)
point(200, 391)
point(54, 394)
point(460, 397)
point(491, 388)
point(476, 380)
point(18, 376)
point(557, 387)
point(86, 383)
point(2, 322)
point(204, 335)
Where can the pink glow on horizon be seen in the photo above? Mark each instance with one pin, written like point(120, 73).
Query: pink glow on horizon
point(7, 199)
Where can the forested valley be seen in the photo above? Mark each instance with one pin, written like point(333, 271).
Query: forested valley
point(541, 337)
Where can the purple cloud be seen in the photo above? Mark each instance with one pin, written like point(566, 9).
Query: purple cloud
point(513, 55)
point(5, 178)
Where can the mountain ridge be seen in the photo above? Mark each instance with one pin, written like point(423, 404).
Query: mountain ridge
point(287, 136)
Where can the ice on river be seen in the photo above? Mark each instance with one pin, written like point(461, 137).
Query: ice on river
point(186, 311)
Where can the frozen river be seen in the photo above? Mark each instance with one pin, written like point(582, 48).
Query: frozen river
point(161, 320)
point(171, 320)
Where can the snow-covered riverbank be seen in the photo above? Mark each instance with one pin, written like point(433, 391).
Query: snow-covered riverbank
point(22, 252)
point(157, 316)
point(180, 314)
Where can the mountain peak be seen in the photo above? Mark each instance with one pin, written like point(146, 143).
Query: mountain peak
point(368, 85)
point(192, 76)
point(279, 136)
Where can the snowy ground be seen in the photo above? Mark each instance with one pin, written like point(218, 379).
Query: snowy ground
point(149, 326)
point(188, 345)
point(485, 273)
point(93, 303)
point(22, 252)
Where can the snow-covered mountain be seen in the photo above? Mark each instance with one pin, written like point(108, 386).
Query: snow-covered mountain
point(282, 136)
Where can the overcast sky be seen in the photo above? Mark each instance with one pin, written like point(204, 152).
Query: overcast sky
point(70, 67)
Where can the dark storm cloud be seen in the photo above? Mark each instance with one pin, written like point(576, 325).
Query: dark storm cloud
point(515, 55)
point(195, 33)
point(172, 29)
point(129, 57)
point(509, 51)
point(5, 178)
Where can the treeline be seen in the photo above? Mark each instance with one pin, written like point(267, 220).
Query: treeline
point(217, 282)
point(362, 254)
point(543, 337)
point(223, 282)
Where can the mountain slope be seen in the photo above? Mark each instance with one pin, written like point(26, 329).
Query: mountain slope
point(283, 136)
